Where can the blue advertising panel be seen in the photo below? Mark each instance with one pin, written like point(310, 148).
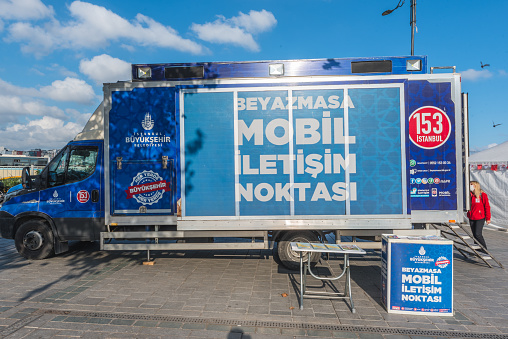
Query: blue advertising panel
point(290, 152)
point(375, 122)
point(430, 117)
point(263, 152)
point(318, 120)
point(142, 130)
point(208, 123)
point(419, 276)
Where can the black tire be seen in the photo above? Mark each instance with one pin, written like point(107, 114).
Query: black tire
point(34, 240)
point(290, 259)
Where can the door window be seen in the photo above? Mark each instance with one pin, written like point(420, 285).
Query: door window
point(81, 163)
point(72, 164)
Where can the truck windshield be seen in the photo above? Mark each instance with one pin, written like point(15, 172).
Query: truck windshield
point(56, 170)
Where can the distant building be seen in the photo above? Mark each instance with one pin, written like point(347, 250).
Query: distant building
point(22, 160)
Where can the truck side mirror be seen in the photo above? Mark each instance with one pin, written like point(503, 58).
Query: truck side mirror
point(26, 180)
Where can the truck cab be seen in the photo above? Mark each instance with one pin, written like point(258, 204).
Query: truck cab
point(65, 202)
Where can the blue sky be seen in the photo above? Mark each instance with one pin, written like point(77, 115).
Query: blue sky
point(55, 55)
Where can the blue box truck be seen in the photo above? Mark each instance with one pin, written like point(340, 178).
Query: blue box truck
point(184, 156)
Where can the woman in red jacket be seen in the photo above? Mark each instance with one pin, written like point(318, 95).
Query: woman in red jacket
point(479, 212)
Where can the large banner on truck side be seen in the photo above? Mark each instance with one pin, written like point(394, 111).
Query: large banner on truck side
point(320, 151)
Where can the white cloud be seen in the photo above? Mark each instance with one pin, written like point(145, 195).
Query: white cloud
point(222, 33)
point(56, 68)
point(10, 89)
point(473, 75)
point(96, 27)
point(24, 9)
point(255, 22)
point(47, 132)
point(105, 69)
point(21, 102)
point(11, 107)
point(238, 30)
point(70, 89)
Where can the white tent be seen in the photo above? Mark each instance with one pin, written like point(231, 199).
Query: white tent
point(489, 168)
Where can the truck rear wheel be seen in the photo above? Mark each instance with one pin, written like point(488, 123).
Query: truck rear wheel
point(291, 259)
point(34, 240)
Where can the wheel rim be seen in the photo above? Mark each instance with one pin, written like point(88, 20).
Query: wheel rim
point(33, 240)
point(296, 255)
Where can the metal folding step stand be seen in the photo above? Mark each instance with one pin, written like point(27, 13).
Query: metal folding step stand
point(463, 241)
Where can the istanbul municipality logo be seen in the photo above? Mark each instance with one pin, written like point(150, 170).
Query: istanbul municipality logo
point(147, 137)
point(147, 122)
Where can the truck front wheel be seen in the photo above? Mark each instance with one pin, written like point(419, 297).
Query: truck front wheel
point(34, 240)
point(291, 259)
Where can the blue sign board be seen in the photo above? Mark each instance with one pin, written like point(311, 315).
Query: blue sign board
point(327, 150)
point(417, 275)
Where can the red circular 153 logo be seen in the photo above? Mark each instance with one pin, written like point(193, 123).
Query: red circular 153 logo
point(83, 196)
point(429, 127)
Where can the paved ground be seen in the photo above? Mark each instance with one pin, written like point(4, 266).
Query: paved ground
point(92, 294)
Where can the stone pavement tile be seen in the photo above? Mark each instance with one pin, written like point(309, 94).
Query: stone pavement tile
point(412, 325)
point(326, 315)
point(194, 326)
point(102, 321)
point(343, 334)
point(372, 317)
point(293, 331)
point(367, 335)
point(160, 332)
point(173, 305)
point(90, 301)
point(93, 335)
point(217, 327)
point(449, 327)
point(146, 323)
point(280, 312)
point(59, 318)
point(319, 333)
point(274, 331)
point(195, 309)
point(215, 308)
point(76, 319)
point(207, 334)
point(258, 310)
point(482, 329)
point(21, 333)
point(126, 322)
point(44, 333)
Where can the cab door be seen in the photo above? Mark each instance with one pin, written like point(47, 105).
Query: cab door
point(73, 194)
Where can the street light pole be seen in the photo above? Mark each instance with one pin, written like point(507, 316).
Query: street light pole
point(413, 25)
point(412, 20)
